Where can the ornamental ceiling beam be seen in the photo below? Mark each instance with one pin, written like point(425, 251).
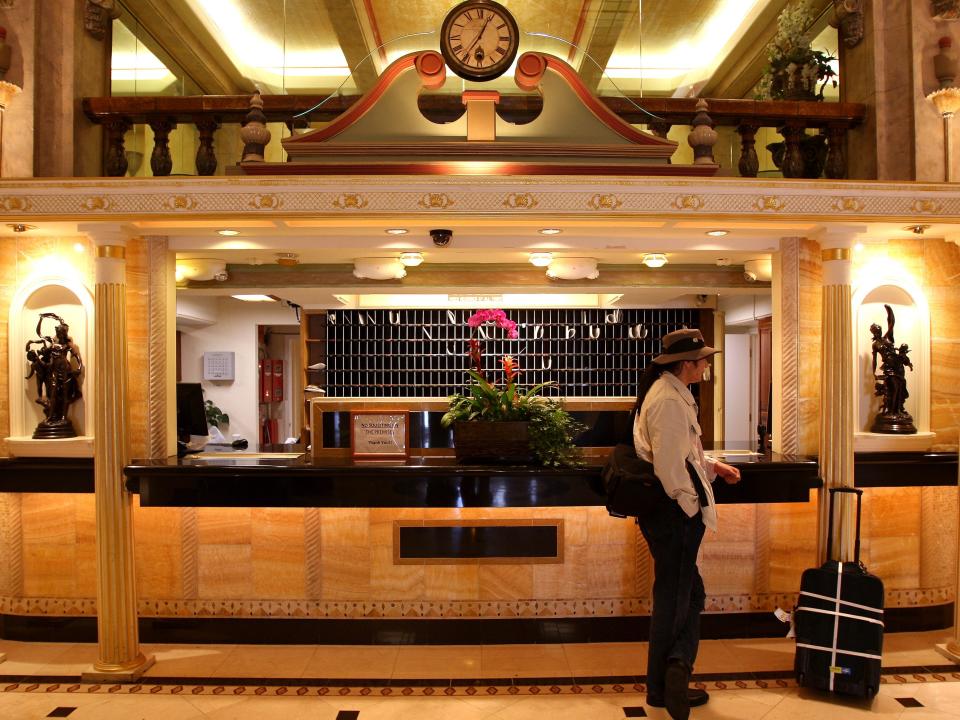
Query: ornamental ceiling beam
point(178, 37)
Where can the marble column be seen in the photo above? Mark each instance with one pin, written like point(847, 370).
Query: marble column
point(836, 394)
point(119, 657)
point(951, 648)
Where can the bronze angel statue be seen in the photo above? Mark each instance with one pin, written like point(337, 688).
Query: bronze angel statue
point(57, 366)
point(890, 382)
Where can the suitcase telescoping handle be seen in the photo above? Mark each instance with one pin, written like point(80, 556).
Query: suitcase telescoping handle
point(833, 493)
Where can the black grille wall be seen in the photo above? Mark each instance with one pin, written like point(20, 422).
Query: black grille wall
point(423, 353)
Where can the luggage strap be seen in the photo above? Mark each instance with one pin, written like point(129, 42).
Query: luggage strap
point(840, 614)
point(836, 652)
point(873, 610)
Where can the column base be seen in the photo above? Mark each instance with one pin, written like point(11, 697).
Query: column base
point(93, 675)
point(950, 650)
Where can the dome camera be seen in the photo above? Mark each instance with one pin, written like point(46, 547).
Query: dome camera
point(750, 275)
point(221, 276)
point(441, 238)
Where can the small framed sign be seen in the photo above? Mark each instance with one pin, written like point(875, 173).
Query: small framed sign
point(380, 434)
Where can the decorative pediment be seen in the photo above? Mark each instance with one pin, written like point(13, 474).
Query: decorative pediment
point(385, 132)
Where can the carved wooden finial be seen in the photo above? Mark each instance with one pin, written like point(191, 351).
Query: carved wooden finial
point(254, 132)
point(703, 137)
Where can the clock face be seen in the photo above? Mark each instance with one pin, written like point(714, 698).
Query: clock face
point(479, 40)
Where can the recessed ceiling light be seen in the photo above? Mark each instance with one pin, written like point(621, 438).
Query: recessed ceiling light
point(21, 227)
point(917, 229)
point(717, 233)
point(396, 231)
point(79, 247)
point(550, 231)
point(254, 298)
point(228, 233)
point(654, 260)
point(411, 259)
point(541, 259)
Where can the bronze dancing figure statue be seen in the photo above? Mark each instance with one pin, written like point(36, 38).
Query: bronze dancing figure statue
point(56, 363)
point(891, 382)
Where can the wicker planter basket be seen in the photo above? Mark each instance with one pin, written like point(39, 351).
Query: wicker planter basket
point(492, 443)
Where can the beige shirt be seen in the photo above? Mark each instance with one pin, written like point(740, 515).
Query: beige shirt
point(667, 434)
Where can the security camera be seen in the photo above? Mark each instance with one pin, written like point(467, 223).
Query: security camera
point(757, 270)
point(441, 238)
point(222, 276)
point(749, 275)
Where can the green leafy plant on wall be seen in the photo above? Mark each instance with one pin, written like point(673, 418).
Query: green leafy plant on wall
point(215, 416)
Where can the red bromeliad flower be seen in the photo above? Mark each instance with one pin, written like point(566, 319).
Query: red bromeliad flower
point(476, 357)
point(510, 367)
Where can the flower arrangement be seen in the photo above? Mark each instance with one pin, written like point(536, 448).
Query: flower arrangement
point(794, 68)
point(551, 428)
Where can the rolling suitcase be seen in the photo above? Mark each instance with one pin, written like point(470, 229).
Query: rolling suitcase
point(839, 622)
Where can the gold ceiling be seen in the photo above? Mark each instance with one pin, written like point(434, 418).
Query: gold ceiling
point(637, 47)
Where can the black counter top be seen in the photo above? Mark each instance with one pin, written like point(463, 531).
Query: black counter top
point(46, 475)
point(419, 482)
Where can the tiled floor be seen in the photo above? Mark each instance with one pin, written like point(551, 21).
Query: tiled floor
point(747, 679)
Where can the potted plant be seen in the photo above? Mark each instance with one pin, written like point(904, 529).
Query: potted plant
point(504, 423)
point(215, 416)
point(795, 70)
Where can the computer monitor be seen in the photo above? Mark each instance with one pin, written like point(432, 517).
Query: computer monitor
point(191, 413)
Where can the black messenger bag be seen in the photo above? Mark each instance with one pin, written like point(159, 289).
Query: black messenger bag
point(632, 487)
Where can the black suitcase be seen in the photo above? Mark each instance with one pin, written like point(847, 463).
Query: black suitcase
point(839, 622)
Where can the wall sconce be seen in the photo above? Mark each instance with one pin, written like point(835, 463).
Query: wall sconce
point(541, 259)
point(573, 269)
point(654, 260)
point(411, 259)
point(201, 269)
point(379, 268)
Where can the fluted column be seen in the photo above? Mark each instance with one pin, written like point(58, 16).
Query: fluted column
point(119, 657)
point(836, 394)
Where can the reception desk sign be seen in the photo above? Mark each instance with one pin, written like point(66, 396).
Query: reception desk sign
point(380, 434)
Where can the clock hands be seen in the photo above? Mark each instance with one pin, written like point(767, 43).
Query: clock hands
point(479, 35)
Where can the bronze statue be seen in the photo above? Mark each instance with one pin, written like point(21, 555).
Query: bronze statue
point(57, 366)
point(891, 382)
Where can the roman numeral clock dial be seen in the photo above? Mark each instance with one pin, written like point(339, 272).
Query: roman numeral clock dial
point(479, 39)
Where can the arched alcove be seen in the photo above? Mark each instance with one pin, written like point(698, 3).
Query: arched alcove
point(72, 301)
point(912, 326)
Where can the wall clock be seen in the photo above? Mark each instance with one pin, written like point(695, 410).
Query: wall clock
point(479, 39)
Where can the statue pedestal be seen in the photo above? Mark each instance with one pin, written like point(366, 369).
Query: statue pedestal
point(882, 442)
point(75, 447)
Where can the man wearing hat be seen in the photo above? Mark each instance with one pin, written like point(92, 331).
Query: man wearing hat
point(666, 433)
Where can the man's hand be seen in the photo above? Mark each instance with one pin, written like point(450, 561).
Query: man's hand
point(729, 473)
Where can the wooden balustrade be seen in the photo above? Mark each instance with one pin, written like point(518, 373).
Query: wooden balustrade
point(801, 155)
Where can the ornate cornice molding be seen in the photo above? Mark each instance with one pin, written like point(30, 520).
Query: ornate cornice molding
point(623, 197)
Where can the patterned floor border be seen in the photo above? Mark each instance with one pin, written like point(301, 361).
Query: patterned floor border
point(420, 688)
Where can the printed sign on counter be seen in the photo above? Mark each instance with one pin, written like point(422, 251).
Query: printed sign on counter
point(380, 434)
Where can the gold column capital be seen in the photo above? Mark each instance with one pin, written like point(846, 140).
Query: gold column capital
point(117, 252)
point(836, 253)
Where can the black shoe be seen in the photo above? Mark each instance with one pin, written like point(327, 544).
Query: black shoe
point(675, 697)
point(695, 696)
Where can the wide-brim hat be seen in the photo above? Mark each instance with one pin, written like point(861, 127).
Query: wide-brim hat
point(687, 344)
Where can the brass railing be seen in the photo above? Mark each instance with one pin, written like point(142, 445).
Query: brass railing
point(801, 154)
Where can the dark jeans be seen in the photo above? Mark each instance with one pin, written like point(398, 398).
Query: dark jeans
point(678, 594)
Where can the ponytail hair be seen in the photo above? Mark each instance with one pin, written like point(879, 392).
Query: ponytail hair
point(650, 375)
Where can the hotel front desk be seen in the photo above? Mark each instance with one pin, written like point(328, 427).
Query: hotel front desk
point(284, 548)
